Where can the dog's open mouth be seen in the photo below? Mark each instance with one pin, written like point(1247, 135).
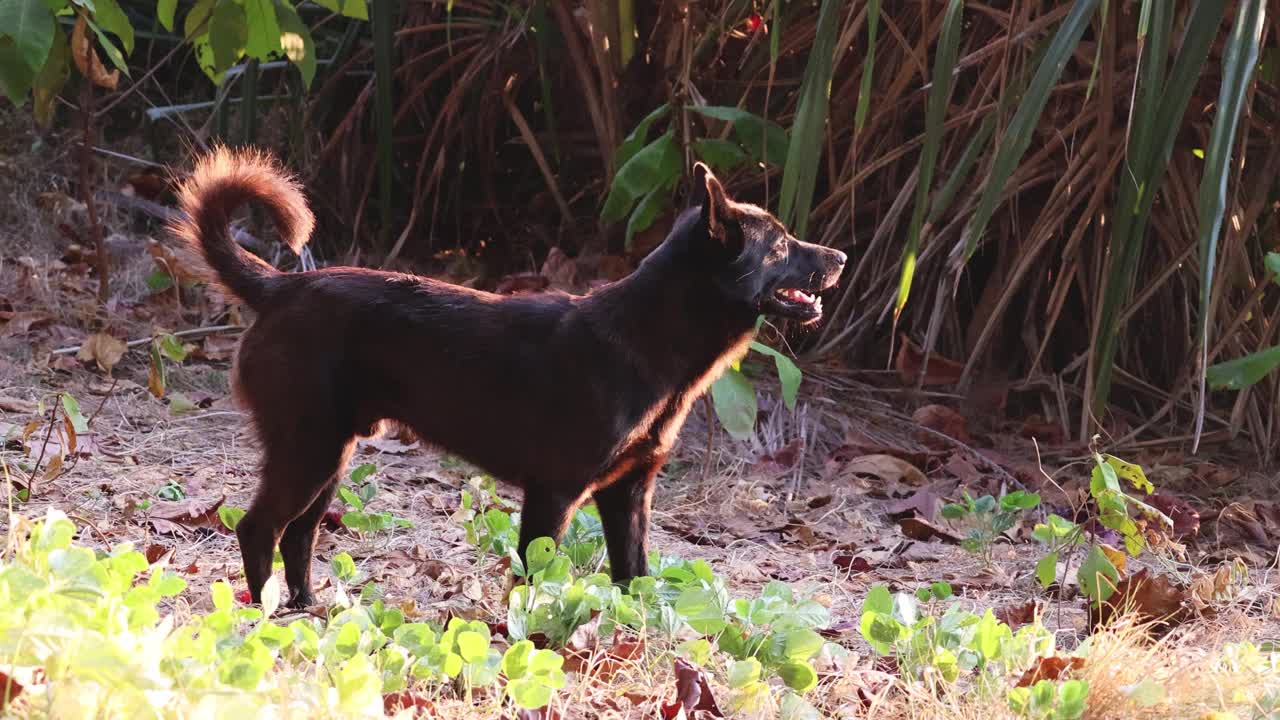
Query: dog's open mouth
point(798, 304)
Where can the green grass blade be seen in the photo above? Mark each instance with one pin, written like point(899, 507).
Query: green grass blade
point(1151, 144)
point(383, 39)
point(868, 66)
point(968, 159)
point(1238, 62)
point(944, 65)
point(1022, 127)
point(801, 171)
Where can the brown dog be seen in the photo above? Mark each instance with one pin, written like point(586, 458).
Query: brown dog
point(572, 398)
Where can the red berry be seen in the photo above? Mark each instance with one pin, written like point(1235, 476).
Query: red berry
point(244, 597)
point(754, 22)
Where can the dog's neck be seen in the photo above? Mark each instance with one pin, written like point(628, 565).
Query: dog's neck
point(674, 313)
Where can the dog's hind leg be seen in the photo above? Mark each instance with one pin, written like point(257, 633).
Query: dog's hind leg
point(298, 478)
point(624, 511)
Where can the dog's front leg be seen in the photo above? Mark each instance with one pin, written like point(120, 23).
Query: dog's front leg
point(545, 513)
point(624, 510)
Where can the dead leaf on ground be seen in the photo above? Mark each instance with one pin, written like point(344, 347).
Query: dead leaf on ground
point(178, 517)
point(217, 347)
point(940, 419)
point(1209, 589)
point(910, 363)
point(1051, 668)
point(103, 350)
point(1150, 598)
point(887, 469)
point(923, 502)
point(16, 405)
point(393, 703)
point(1186, 519)
point(21, 323)
point(693, 693)
point(387, 444)
point(1019, 614)
point(1047, 432)
point(603, 663)
point(963, 469)
point(918, 528)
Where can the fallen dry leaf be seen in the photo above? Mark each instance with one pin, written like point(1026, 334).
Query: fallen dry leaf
point(1117, 557)
point(923, 502)
point(1051, 668)
point(693, 693)
point(887, 469)
point(16, 405)
point(1186, 519)
point(918, 528)
point(963, 469)
point(393, 703)
point(1151, 598)
point(87, 59)
point(21, 323)
point(1016, 615)
point(102, 349)
point(178, 517)
point(910, 364)
point(1043, 431)
point(940, 419)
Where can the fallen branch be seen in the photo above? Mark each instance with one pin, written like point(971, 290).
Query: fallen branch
point(166, 213)
point(192, 333)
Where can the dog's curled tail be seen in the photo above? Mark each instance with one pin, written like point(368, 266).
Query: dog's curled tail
point(221, 181)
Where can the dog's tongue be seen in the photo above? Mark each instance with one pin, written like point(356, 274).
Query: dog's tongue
point(798, 296)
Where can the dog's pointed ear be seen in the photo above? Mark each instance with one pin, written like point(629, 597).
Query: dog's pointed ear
point(709, 193)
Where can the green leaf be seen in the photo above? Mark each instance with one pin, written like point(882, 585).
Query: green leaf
point(357, 9)
point(15, 75)
point(799, 676)
point(344, 568)
point(108, 47)
point(222, 595)
point(1021, 500)
point(656, 165)
point(944, 65)
point(721, 155)
point(954, 511)
point(50, 80)
point(789, 375)
point(159, 281)
point(1021, 129)
point(295, 40)
point(472, 646)
point(1243, 372)
point(1047, 569)
point(1239, 60)
point(165, 10)
point(230, 516)
point(1057, 529)
point(792, 706)
point(743, 673)
point(197, 21)
point(263, 38)
point(809, 128)
point(868, 66)
point(941, 590)
point(539, 554)
point(1071, 700)
point(650, 207)
point(71, 408)
point(764, 140)
point(638, 137)
point(515, 661)
point(361, 472)
point(29, 24)
point(1098, 577)
point(171, 347)
point(701, 609)
point(111, 18)
point(734, 400)
point(1130, 472)
point(228, 33)
point(1272, 260)
point(801, 644)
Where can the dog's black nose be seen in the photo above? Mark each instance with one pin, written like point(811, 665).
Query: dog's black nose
point(839, 258)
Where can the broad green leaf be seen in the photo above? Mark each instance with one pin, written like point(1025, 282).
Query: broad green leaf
point(701, 609)
point(15, 75)
point(1238, 63)
point(228, 33)
point(361, 472)
point(765, 140)
point(515, 661)
point(165, 10)
point(1071, 699)
point(734, 400)
point(638, 137)
point(941, 590)
point(792, 706)
point(29, 26)
point(109, 47)
point(171, 347)
point(295, 40)
point(1272, 260)
point(472, 646)
point(222, 595)
point(656, 165)
point(1243, 372)
point(809, 129)
point(799, 676)
point(743, 673)
point(344, 568)
point(230, 516)
point(111, 18)
point(50, 80)
point(789, 375)
point(1098, 577)
point(721, 155)
point(944, 64)
point(801, 644)
point(539, 554)
point(357, 9)
point(1130, 472)
point(71, 408)
point(263, 38)
point(1047, 569)
point(1022, 500)
point(529, 693)
point(650, 207)
point(196, 23)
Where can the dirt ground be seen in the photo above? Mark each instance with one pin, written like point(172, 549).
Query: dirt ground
point(834, 497)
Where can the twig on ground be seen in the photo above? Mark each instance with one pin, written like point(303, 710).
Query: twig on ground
point(193, 332)
point(53, 419)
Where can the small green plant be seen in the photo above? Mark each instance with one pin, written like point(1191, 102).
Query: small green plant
point(987, 519)
point(1047, 700)
point(491, 523)
point(357, 497)
point(1117, 510)
point(171, 490)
